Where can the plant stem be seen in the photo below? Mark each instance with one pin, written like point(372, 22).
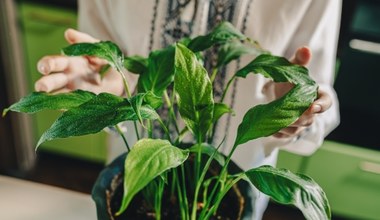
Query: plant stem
point(185, 200)
point(128, 92)
point(213, 75)
point(227, 88)
point(158, 201)
point(199, 183)
point(125, 82)
point(182, 206)
point(165, 129)
point(221, 196)
point(171, 110)
point(122, 135)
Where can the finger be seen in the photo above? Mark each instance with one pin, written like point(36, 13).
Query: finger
point(302, 56)
point(51, 82)
point(73, 36)
point(323, 103)
point(306, 119)
point(289, 132)
point(51, 64)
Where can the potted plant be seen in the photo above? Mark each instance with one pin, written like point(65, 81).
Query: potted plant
point(192, 178)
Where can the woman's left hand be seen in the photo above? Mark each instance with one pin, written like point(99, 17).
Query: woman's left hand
point(320, 105)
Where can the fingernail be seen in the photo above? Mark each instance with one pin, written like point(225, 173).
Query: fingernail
point(40, 87)
point(316, 108)
point(42, 68)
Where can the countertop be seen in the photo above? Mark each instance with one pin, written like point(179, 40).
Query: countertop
point(21, 200)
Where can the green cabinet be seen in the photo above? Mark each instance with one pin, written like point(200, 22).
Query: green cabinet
point(349, 175)
point(42, 31)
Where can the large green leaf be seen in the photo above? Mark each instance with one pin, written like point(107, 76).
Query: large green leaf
point(222, 33)
point(91, 117)
point(233, 50)
point(136, 64)
point(105, 49)
point(288, 188)
point(265, 120)
point(38, 101)
point(160, 72)
point(148, 159)
point(219, 110)
point(194, 88)
point(278, 69)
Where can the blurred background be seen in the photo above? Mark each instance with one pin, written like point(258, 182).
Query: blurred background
point(347, 166)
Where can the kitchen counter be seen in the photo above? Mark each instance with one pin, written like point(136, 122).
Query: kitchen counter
point(21, 199)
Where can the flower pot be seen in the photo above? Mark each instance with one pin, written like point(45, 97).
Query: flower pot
point(108, 191)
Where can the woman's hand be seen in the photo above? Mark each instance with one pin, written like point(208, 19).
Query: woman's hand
point(320, 105)
point(64, 73)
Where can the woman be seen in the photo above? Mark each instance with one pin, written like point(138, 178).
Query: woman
point(279, 26)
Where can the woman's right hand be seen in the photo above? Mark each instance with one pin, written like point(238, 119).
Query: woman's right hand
point(64, 73)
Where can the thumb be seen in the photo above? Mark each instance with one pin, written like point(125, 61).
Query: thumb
point(302, 56)
point(73, 36)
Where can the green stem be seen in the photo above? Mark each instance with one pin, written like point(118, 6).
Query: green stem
point(213, 75)
point(149, 126)
point(126, 86)
point(158, 202)
point(227, 88)
point(171, 111)
point(185, 200)
point(221, 178)
point(199, 183)
point(166, 130)
point(128, 92)
point(221, 195)
point(182, 206)
point(122, 135)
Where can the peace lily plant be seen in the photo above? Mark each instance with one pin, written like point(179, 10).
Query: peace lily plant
point(154, 164)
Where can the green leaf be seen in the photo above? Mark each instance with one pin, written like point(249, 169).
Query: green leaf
point(104, 70)
point(219, 110)
point(208, 150)
point(278, 69)
point(160, 72)
point(38, 101)
point(233, 50)
point(153, 100)
point(148, 159)
point(136, 102)
point(287, 188)
point(136, 64)
point(223, 33)
point(194, 88)
point(105, 49)
point(265, 120)
point(91, 117)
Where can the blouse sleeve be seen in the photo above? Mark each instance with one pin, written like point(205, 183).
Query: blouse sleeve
point(319, 31)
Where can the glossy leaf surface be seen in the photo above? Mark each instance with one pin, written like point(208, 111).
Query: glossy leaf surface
point(136, 64)
point(91, 117)
point(160, 73)
point(288, 188)
point(194, 88)
point(265, 120)
point(105, 49)
point(148, 159)
point(38, 101)
point(222, 33)
point(233, 50)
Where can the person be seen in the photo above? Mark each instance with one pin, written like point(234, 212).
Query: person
point(290, 28)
